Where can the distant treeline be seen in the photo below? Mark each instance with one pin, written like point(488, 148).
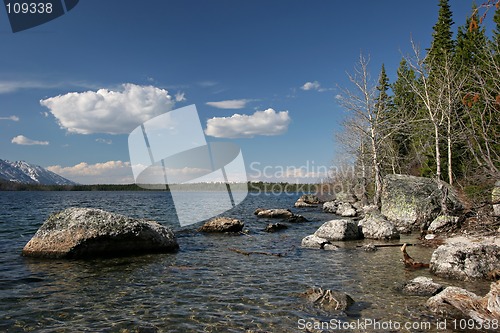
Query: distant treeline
point(251, 186)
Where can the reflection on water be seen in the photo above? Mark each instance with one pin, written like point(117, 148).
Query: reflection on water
point(202, 288)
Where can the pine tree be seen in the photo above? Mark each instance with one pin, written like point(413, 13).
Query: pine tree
point(471, 43)
point(406, 107)
point(471, 57)
point(383, 104)
point(383, 100)
point(442, 37)
point(496, 31)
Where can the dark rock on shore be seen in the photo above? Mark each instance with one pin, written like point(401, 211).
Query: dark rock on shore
point(328, 300)
point(458, 302)
point(221, 225)
point(412, 202)
point(421, 286)
point(89, 232)
point(465, 261)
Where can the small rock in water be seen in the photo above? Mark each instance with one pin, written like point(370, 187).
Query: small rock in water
point(376, 226)
point(273, 227)
point(369, 247)
point(328, 299)
point(421, 286)
point(315, 242)
point(222, 224)
point(336, 230)
point(307, 200)
point(280, 214)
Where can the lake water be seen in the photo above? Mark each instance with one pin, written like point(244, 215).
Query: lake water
point(204, 287)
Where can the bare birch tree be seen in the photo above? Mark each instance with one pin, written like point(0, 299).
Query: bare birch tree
point(367, 119)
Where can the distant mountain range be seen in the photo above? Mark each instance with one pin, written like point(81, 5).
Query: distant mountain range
point(26, 173)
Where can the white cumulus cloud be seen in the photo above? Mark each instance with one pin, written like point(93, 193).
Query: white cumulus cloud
point(230, 104)
point(315, 85)
point(268, 122)
point(108, 111)
point(22, 140)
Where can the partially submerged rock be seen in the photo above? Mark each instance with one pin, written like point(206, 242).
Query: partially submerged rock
point(465, 261)
point(458, 302)
point(412, 201)
point(89, 232)
point(221, 225)
point(328, 300)
point(279, 214)
point(338, 230)
point(274, 227)
point(370, 247)
point(376, 226)
point(315, 242)
point(421, 286)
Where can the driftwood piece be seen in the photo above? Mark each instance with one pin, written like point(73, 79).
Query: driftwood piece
point(409, 262)
point(247, 253)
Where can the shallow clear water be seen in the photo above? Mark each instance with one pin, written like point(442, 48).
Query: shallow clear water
point(204, 287)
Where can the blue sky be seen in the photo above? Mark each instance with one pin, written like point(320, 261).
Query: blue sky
point(227, 57)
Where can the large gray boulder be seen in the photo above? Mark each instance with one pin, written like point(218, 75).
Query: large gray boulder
point(89, 232)
point(338, 230)
point(376, 226)
point(465, 261)
point(412, 202)
point(221, 225)
point(458, 302)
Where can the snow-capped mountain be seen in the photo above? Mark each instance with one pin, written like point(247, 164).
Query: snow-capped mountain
point(25, 173)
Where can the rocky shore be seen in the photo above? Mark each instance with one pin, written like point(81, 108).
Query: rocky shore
point(463, 251)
